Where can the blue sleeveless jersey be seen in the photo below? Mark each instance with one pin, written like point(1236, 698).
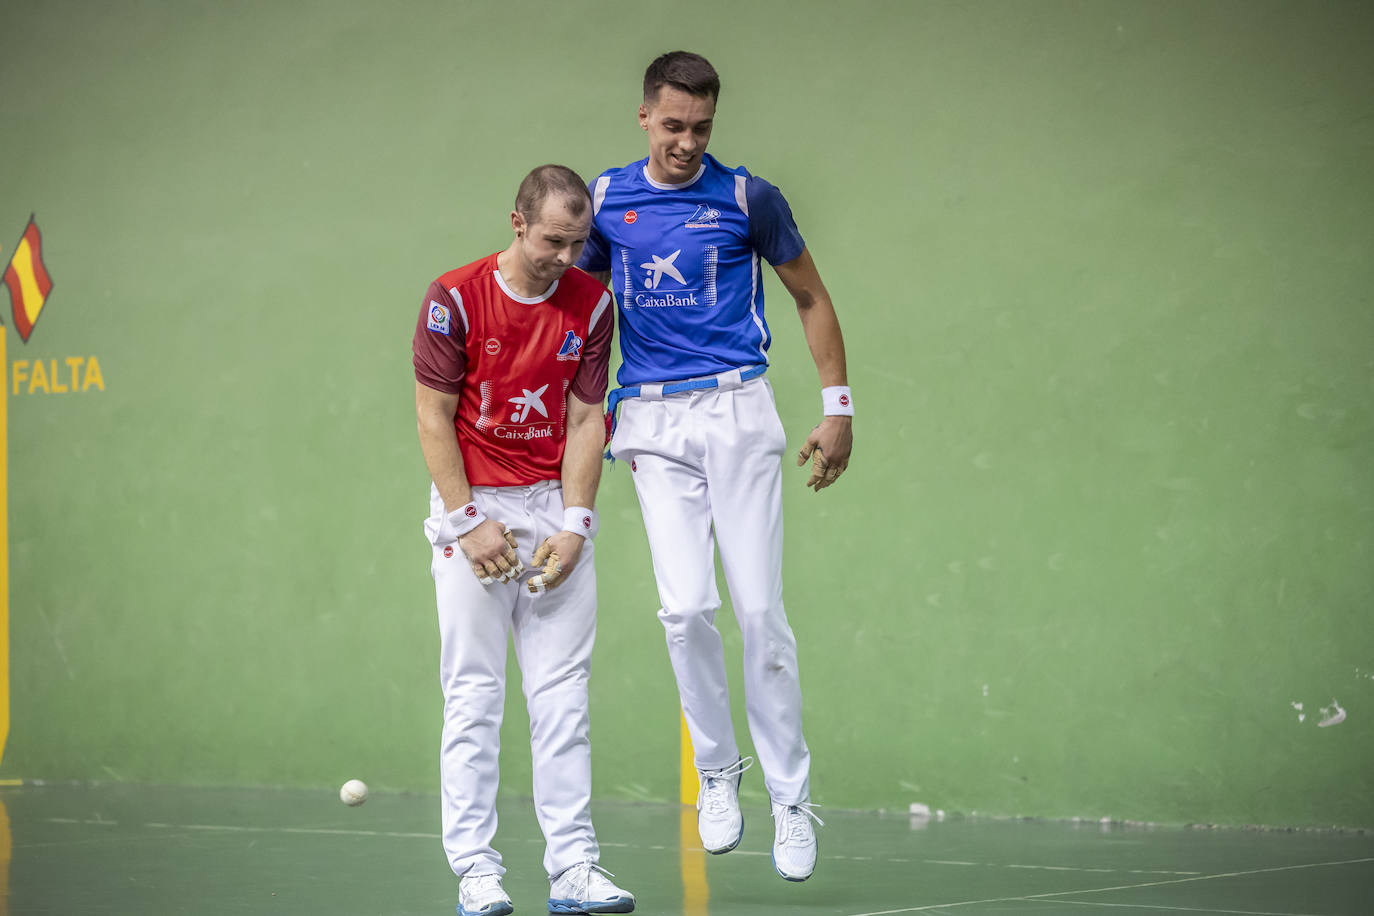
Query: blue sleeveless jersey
point(684, 262)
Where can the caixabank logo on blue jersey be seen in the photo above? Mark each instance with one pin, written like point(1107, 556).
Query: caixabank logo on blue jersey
point(665, 281)
point(30, 286)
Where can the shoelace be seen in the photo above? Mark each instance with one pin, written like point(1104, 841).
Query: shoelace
point(484, 884)
point(714, 795)
point(792, 821)
point(582, 876)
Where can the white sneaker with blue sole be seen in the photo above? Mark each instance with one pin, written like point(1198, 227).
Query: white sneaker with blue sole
point(483, 895)
point(586, 888)
point(794, 841)
point(719, 820)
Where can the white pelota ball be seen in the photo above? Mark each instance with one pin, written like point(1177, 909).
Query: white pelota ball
point(353, 793)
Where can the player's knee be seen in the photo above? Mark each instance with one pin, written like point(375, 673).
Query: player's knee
point(760, 619)
point(680, 621)
point(563, 690)
point(473, 691)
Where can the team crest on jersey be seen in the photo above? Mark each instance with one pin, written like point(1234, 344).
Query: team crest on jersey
point(572, 347)
point(438, 318)
point(705, 218)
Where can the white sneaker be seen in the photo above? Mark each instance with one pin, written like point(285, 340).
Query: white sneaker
point(794, 842)
point(482, 895)
point(719, 820)
point(584, 888)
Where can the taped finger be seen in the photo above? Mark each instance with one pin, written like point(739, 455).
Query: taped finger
point(818, 467)
point(510, 564)
point(514, 572)
point(547, 578)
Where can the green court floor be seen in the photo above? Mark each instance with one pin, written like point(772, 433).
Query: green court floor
point(140, 850)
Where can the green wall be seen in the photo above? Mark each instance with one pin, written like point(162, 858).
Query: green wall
point(1104, 272)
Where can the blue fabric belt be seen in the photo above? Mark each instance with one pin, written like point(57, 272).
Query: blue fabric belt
point(726, 380)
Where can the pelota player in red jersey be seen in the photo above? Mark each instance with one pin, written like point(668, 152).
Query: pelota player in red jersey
point(511, 355)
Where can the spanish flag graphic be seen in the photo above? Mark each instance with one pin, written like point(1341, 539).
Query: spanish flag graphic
point(28, 281)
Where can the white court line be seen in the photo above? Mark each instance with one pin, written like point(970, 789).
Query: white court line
point(73, 820)
point(1099, 871)
point(1123, 887)
point(310, 830)
point(1183, 909)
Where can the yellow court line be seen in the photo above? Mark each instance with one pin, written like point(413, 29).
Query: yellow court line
point(6, 841)
point(4, 552)
point(695, 891)
point(687, 768)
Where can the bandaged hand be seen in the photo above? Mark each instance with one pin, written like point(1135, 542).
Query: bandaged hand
point(828, 447)
point(551, 571)
point(823, 473)
point(491, 550)
point(554, 560)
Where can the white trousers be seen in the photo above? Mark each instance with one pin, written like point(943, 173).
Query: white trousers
point(554, 632)
point(709, 462)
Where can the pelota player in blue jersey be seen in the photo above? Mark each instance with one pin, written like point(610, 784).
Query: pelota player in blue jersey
point(679, 237)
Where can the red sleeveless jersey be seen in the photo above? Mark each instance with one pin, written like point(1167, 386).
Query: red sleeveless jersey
point(512, 361)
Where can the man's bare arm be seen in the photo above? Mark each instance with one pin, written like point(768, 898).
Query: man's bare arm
point(834, 437)
point(434, 413)
point(582, 454)
point(486, 546)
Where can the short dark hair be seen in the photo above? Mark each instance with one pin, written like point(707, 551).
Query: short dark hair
point(691, 73)
point(546, 180)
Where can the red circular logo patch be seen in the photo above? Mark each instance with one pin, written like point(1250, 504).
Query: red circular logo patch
point(844, 400)
point(631, 216)
point(448, 551)
point(586, 521)
point(633, 466)
point(493, 346)
point(470, 511)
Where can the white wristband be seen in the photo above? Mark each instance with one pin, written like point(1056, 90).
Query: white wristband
point(466, 518)
point(835, 401)
point(581, 520)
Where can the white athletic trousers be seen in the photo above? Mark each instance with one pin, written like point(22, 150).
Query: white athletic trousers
point(553, 632)
point(710, 461)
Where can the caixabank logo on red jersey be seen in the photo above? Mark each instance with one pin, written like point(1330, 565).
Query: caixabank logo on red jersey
point(528, 416)
point(30, 286)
